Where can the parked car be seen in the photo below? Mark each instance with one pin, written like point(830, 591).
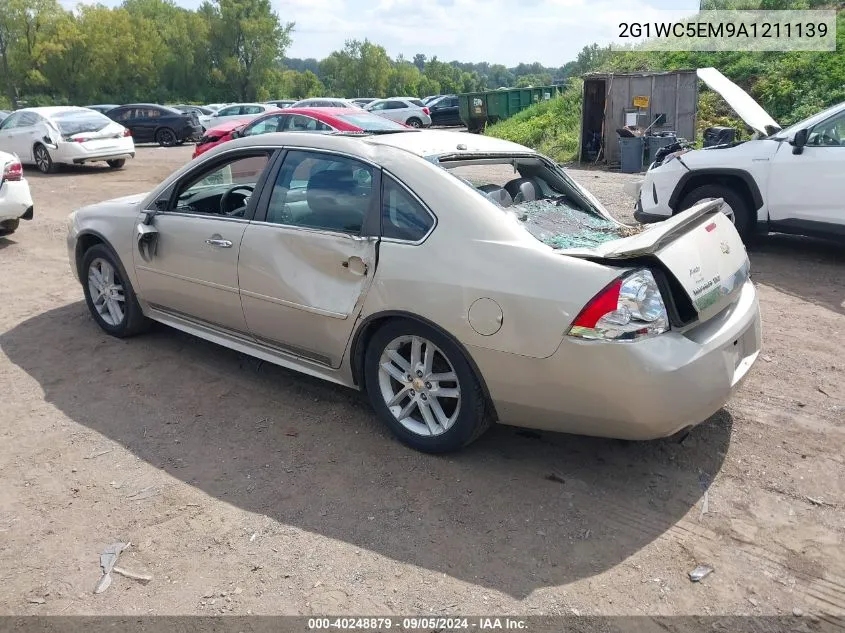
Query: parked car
point(282, 103)
point(4, 114)
point(160, 124)
point(46, 137)
point(198, 110)
point(306, 250)
point(785, 181)
point(444, 111)
point(103, 108)
point(15, 197)
point(215, 106)
point(362, 101)
point(236, 111)
point(298, 120)
point(325, 102)
point(408, 111)
point(430, 98)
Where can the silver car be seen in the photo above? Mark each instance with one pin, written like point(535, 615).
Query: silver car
point(409, 111)
point(459, 280)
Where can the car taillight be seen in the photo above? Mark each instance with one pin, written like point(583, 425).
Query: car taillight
point(629, 309)
point(13, 171)
point(426, 111)
point(127, 132)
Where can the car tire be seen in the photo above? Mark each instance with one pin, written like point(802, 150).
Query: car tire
point(414, 122)
point(464, 411)
point(116, 164)
point(8, 227)
point(166, 137)
point(132, 321)
point(43, 161)
point(741, 215)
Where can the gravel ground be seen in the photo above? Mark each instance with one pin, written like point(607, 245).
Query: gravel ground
point(245, 488)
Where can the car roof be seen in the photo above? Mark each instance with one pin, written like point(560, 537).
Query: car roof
point(52, 110)
point(422, 142)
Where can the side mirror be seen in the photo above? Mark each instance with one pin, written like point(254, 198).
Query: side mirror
point(799, 141)
point(235, 134)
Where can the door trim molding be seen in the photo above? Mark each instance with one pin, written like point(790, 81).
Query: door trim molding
point(290, 304)
point(209, 284)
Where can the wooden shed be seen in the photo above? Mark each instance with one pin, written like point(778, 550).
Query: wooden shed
point(613, 100)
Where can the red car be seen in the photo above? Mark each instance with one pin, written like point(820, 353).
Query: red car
point(298, 120)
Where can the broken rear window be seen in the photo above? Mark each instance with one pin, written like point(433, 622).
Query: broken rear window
point(543, 199)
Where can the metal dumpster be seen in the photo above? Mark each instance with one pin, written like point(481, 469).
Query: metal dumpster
point(478, 109)
point(631, 154)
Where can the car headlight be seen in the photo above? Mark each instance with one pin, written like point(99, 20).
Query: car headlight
point(629, 309)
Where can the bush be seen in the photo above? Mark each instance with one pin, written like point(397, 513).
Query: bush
point(551, 127)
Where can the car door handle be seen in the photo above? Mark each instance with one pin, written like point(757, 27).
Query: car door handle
point(219, 243)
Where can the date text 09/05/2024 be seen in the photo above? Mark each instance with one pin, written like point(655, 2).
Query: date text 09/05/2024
point(707, 30)
point(417, 623)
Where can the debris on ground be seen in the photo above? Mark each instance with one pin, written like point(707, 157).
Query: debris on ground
point(556, 478)
point(37, 601)
point(819, 502)
point(144, 578)
point(797, 612)
point(108, 559)
point(700, 572)
point(143, 493)
point(705, 505)
point(99, 453)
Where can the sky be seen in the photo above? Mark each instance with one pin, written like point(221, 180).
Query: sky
point(507, 32)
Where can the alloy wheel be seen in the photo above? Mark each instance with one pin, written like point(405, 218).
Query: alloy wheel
point(42, 159)
point(419, 385)
point(106, 290)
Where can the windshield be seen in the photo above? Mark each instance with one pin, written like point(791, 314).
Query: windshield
point(75, 121)
point(808, 123)
point(370, 122)
point(542, 198)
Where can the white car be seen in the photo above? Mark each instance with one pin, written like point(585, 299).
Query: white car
point(46, 137)
point(326, 102)
point(786, 181)
point(408, 111)
point(15, 198)
point(242, 111)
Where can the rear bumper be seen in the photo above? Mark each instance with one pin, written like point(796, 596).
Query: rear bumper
point(191, 133)
point(15, 201)
point(103, 157)
point(77, 153)
point(644, 390)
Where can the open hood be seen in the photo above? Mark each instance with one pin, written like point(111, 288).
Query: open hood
point(748, 110)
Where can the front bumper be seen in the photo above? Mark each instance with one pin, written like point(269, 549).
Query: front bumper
point(15, 200)
point(638, 391)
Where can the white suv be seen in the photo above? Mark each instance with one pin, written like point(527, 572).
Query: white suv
point(787, 181)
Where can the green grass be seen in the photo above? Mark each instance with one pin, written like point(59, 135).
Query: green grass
point(551, 127)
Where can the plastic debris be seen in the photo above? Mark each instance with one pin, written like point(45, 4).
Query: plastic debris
point(108, 559)
point(797, 612)
point(144, 578)
point(700, 572)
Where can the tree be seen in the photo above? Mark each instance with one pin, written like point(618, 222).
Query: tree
point(419, 61)
point(361, 69)
point(247, 41)
point(404, 79)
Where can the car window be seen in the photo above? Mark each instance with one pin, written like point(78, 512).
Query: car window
point(396, 105)
point(302, 123)
point(206, 192)
point(27, 119)
point(266, 125)
point(453, 102)
point(402, 217)
point(11, 121)
point(252, 110)
point(321, 191)
point(230, 111)
point(381, 105)
point(124, 115)
point(416, 102)
point(830, 133)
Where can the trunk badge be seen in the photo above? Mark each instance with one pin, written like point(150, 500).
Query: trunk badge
point(726, 248)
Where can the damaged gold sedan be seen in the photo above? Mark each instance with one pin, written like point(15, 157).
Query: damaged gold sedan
point(458, 279)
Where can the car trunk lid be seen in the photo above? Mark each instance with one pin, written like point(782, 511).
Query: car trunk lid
point(699, 247)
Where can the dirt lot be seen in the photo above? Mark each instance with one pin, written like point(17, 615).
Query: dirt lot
point(245, 488)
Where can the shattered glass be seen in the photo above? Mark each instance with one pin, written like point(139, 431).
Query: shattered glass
point(561, 226)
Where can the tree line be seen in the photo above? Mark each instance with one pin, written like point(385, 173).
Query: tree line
point(225, 50)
